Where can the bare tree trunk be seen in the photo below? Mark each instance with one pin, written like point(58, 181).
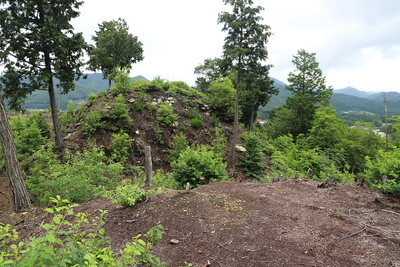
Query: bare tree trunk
point(251, 119)
point(236, 119)
point(54, 116)
point(20, 194)
point(53, 105)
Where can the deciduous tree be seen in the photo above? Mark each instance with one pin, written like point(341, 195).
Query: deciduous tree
point(114, 48)
point(37, 45)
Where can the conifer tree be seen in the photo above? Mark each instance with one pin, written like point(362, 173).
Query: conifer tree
point(38, 44)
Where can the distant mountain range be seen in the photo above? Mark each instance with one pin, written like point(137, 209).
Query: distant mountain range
point(390, 96)
point(348, 99)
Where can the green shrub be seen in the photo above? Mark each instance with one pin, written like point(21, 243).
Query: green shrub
point(92, 97)
point(82, 177)
point(178, 145)
point(221, 98)
point(68, 115)
point(94, 121)
point(252, 160)
point(120, 98)
point(193, 113)
point(30, 133)
point(167, 180)
point(140, 101)
point(181, 128)
point(128, 194)
point(119, 146)
point(122, 82)
point(159, 135)
point(42, 123)
point(113, 119)
point(219, 142)
point(385, 163)
point(165, 115)
point(71, 240)
point(196, 122)
point(197, 162)
point(214, 119)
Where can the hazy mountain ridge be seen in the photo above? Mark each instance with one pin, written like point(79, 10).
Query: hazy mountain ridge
point(348, 99)
point(343, 100)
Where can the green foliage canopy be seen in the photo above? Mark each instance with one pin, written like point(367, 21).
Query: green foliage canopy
point(197, 162)
point(38, 44)
point(221, 97)
point(114, 48)
point(308, 88)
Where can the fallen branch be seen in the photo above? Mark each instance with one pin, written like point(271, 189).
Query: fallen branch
point(356, 233)
point(391, 212)
point(222, 246)
point(216, 261)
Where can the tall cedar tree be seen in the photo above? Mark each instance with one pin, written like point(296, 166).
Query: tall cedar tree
point(114, 48)
point(38, 45)
point(244, 48)
point(308, 88)
point(20, 194)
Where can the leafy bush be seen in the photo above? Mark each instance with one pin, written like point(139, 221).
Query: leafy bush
point(120, 117)
point(193, 113)
point(219, 142)
point(119, 146)
point(94, 121)
point(167, 180)
point(113, 119)
point(252, 160)
point(178, 145)
point(182, 89)
point(72, 243)
point(128, 194)
point(165, 115)
point(30, 133)
point(221, 98)
point(82, 177)
point(200, 161)
point(196, 122)
point(140, 101)
point(214, 119)
point(385, 163)
point(68, 115)
point(122, 82)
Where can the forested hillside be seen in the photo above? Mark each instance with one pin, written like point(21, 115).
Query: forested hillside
point(92, 84)
point(344, 101)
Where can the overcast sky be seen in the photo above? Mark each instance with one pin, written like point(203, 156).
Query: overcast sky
point(357, 42)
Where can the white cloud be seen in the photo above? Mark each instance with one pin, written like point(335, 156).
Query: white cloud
point(356, 42)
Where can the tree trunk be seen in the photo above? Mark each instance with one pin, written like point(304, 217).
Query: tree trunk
point(20, 194)
point(53, 105)
point(54, 115)
point(251, 119)
point(236, 120)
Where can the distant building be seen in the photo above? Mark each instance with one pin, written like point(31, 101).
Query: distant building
point(261, 121)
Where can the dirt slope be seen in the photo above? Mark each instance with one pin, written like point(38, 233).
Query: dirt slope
point(289, 223)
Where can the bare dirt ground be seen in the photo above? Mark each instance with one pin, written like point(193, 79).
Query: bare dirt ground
point(288, 223)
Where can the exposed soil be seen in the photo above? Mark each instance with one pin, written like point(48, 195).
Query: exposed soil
point(288, 223)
